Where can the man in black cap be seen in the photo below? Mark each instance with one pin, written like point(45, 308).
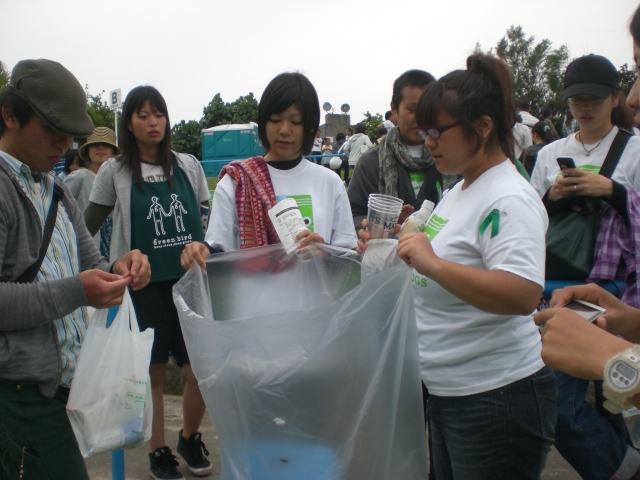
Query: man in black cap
point(49, 269)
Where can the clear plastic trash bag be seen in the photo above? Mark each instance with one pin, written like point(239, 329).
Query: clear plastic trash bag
point(306, 373)
point(109, 404)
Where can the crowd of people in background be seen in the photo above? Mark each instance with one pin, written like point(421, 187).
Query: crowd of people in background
point(498, 174)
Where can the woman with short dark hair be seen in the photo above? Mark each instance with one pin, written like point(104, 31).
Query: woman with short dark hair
point(289, 113)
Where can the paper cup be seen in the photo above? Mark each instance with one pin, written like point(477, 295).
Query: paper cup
point(383, 215)
point(288, 221)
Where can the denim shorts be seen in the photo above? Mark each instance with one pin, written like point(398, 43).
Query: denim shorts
point(504, 433)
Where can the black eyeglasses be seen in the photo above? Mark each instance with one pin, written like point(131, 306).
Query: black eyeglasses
point(436, 132)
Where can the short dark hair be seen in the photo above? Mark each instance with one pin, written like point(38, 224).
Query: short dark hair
point(340, 136)
point(524, 105)
point(360, 128)
point(69, 157)
point(387, 115)
point(410, 78)
point(382, 130)
point(130, 157)
point(545, 112)
point(350, 129)
point(288, 89)
point(17, 107)
point(484, 88)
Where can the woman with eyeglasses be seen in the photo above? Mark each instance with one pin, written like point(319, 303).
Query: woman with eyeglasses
point(478, 275)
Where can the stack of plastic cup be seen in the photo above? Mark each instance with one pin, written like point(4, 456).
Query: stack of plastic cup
point(383, 215)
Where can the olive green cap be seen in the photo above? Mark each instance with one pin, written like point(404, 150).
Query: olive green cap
point(54, 94)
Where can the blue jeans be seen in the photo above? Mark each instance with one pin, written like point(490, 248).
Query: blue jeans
point(504, 433)
point(592, 441)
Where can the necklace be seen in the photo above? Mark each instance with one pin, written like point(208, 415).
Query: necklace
point(588, 152)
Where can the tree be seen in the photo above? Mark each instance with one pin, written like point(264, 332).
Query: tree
point(99, 110)
point(243, 110)
point(371, 123)
point(5, 75)
point(627, 78)
point(187, 138)
point(537, 69)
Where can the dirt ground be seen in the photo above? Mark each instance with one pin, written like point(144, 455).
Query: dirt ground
point(137, 460)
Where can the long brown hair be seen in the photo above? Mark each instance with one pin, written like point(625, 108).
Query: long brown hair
point(484, 88)
point(622, 115)
point(130, 157)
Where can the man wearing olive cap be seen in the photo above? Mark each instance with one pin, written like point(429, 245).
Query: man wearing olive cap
point(42, 319)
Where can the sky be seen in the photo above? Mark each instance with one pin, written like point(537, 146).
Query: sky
point(351, 50)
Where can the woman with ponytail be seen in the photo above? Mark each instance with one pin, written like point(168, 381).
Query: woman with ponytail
point(479, 270)
point(541, 135)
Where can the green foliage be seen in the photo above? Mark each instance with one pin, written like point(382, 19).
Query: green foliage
point(243, 110)
point(187, 138)
point(627, 78)
point(537, 69)
point(372, 122)
point(99, 110)
point(5, 75)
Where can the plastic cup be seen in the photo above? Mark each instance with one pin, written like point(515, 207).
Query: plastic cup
point(383, 215)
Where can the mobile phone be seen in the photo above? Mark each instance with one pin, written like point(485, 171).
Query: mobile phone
point(565, 162)
point(588, 311)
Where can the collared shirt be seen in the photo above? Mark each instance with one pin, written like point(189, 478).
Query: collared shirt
point(61, 260)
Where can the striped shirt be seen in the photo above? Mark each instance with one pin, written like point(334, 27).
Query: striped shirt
point(61, 260)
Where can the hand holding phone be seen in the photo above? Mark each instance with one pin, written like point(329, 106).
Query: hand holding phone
point(586, 310)
point(565, 163)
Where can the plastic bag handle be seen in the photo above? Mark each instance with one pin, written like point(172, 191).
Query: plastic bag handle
point(127, 311)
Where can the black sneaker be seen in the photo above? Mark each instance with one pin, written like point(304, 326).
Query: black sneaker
point(163, 465)
point(193, 451)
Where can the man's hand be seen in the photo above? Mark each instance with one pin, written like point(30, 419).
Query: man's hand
point(194, 251)
point(405, 212)
point(573, 345)
point(620, 319)
point(104, 289)
point(135, 265)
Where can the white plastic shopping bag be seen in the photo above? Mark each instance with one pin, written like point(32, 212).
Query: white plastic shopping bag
point(110, 400)
point(306, 372)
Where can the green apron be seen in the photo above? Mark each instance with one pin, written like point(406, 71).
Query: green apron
point(163, 221)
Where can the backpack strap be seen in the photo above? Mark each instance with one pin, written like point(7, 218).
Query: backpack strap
point(30, 273)
point(615, 152)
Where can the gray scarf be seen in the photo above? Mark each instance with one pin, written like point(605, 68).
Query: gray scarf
point(392, 151)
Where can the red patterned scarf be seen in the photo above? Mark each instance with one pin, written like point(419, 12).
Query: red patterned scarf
point(254, 197)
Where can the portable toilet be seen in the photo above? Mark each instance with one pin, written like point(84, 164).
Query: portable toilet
point(225, 143)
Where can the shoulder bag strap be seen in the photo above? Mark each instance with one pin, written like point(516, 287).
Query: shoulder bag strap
point(30, 273)
point(615, 152)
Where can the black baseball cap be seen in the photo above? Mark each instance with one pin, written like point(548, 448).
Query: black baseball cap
point(54, 93)
point(590, 75)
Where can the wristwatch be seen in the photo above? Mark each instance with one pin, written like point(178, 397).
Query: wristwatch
point(621, 379)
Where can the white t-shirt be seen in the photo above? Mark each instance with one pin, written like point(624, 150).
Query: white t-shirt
point(547, 170)
point(317, 144)
point(318, 191)
point(464, 350)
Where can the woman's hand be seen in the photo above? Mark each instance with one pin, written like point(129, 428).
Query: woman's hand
point(135, 265)
point(194, 251)
point(573, 345)
point(579, 182)
point(416, 250)
point(405, 212)
point(364, 236)
point(306, 238)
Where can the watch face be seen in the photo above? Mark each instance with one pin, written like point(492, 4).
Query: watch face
point(623, 376)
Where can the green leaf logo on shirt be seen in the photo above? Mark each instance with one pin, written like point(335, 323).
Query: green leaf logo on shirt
point(492, 219)
point(306, 209)
point(587, 168)
point(435, 225)
point(417, 179)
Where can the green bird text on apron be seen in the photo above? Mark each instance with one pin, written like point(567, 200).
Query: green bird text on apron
point(163, 221)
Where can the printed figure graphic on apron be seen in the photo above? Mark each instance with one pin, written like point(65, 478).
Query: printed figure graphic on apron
point(156, 208)
point(177, 210)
